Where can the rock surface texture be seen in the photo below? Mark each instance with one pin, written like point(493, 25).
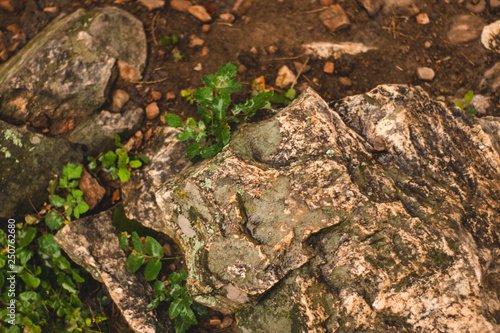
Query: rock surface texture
point(67, 69)
point(92, 243)
point(300, 224)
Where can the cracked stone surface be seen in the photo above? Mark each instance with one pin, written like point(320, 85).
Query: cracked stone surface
point(300, 224)
point(66, 70)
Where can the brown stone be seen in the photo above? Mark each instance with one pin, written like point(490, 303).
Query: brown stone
point(93, 192)
point(464, 28)
point(170, 96)
point(152, 4)
point(156, 95)
point(371, 6)
point(345, 81)
point(241, 7)
point(329, 67)
point(180, 5)
point(379, 144)
point(152, 111)
point(120, 98)
point(200, 13)
point(334, 18)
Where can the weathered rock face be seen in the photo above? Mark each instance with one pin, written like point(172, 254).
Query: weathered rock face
point(67, 69)
point(388, 223)
point(92, 242)
point(28, 161)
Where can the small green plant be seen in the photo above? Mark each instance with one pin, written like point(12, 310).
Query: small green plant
point(213, 131)
point(46, 285)
point(168, 41)
point(464, 103)
point(73, 204)
point(151, 254)
point(118, 163)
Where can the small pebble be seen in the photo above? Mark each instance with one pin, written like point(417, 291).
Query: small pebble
point(227, 17)
point(120, 98)
point(345, 81)
point(139, 134)
point(379, 144)
point(328, 67)
point(198, 67)
point(214, 321)
point(272, 49)
point(254, 50)
point(152, 111)
point(156, 95)
point(170, 96)
point(285, 77)
point(149, 133)
point(167, 250)
point(242, 69)
point(425, 73)
point(200, 13)
point(204, 51)
point(427, 44)
point(180, 5)
point(226, 322)
point(422, 18)
point(195, 41)
point(206, 27)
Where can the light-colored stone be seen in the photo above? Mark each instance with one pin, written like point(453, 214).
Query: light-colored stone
point(227, 17)
point(422, 18)
point(324, 50)
point(482, 104)
point(200, 13)
point(490, 36)
point(491, 79)
point(425, 73)
point(170, 96)
point(198, 67)
point(195, 41)
point(156, 95)
point(119, 99)
point(241, 6)
point(152, 4)
point(345, 81)
point(285, 77)
point(464, 28)
point(334, 18)
point(372, 6)
point(152, 111)
point(206, 27)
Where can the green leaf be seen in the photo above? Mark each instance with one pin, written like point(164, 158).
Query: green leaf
point(136, 241)
point(143, 158)
point(193, 150)
point(159, 287)
point(175, 308)
point(62, 263)
point(77, 194)
point(24, 255)
point(13, 329)
point(153, 247)
point(54, 220)
point(52, 186)
point(188, 315)
point(201, 125)
point(30, 280)
point(211, 81)
point(205, 114)
point(72, 171)
point(468, 96)
point(25, 237)
point(152, 269)
point(48, 245)
point(191, 122)
point(203, 96)
point(290, 94)
point(174, 278)
point(82, 206)
point(230, 87)
point(227, 71)
point(123, 240)
point(226, 135)
point(472, 111)
point(107, 159)
point(186, 135)
point(460, 104)
point(135, 164)
point(118, 141)
point(69, 287)
point(76, 276)
point(220, 104)
point(181, 326)
point(134, 262)
point(210, 151)
point(200, 136)
point(258, 101)
point(183, 275)
point(124, 174)
point(56, 201)
point(173, 120)
point(30, 296)
point(238, 108)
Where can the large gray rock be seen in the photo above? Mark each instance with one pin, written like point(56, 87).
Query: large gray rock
point(378, 213)
point(97, 134)
point(92, 242)
point(67, 69)
point(28, 161)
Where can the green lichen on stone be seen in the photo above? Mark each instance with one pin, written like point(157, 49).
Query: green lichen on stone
point(11, 135)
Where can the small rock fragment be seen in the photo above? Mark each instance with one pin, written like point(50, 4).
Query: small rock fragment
point(345, 81)
point(254, 50)
point(299, 67)
point(149, 133)
point(195, 41)
point(200, 13)
point(464, 28)
point(170, 96)
point(214, 321)
point(167, 250)
point(152, 4)
point(152, 111)
point(204, 51)
point(227, 17)
point(427, 44)
point(329, 67)
point(476, 6)
point(226, 322)
point(379, 144)
point(127, 72)
point(93, 192)
point(401, 7)
point(180, 5)
point(139, 134)
point(371, 6)
point(285, 77)
point(491, 79)
point(241, 7)
point(334, 18)
point(52, 10)
point(422, 18)
point(14, 28)
point(206, 28)
point(425, 73)
point(198, 67)
point(242, 69)
point(156, 95)
point(490, 36)
point(482, 104)
point(120, 98)
point(272, 49)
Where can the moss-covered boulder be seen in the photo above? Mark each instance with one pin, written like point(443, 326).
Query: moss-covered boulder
point(67, 69)
point(379, 212)
point(28, 161)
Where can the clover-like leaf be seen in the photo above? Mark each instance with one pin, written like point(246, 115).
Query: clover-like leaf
point(54, 220)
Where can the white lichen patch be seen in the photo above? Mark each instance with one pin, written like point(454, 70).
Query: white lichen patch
point(12, 136)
